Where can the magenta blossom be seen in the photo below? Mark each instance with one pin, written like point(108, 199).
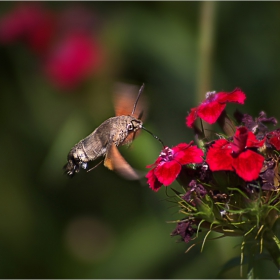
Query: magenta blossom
point(237, 155)
point(65, 42)
point(214, 104)
point(72, 60)
point(29, 22)
point(169, 164)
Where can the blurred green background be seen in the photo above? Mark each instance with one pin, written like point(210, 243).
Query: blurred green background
point(98, 225)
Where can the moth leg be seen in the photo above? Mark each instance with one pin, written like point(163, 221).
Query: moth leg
point(95, 166)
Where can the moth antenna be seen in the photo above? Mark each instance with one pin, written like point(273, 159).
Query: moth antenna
point(153, 136)
point(139, 93)
point(95, 166)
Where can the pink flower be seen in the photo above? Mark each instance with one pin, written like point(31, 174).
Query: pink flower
point(169, 164)
point(210, 109)
point(66, 43)
point(237, 155)
point(72, 60)
point(30, 23)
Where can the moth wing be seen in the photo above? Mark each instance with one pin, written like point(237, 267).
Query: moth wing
point(115, 161)
point(124, 98)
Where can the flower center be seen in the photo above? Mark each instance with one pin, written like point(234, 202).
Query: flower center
point(210, 96)
point(167, 154)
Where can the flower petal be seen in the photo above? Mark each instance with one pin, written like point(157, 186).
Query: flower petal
point(275, 139)
point(219, 156)
point(181, 147)
point(167, 172)
point(191, 117)
point(187, 154)
point(211, 111)
point(240, 139)
point(237, 96)
point(252, 141)
point(248, 165)
point(153, 181)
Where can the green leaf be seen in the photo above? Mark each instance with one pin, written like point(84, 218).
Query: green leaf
point(272, 244)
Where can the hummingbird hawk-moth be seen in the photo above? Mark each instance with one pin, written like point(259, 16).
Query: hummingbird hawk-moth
point(113, 132)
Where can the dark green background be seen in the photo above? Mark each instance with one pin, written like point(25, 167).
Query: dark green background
point(98, 225)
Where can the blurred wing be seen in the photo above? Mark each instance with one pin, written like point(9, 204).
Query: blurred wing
point(124, 99)
point(131, 137)
point(125, 96)
point(115, 161)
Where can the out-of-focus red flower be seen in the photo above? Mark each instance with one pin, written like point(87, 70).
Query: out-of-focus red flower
point(66, 44)
point(72, 60)
point(237, 155)
point(168, 165)
point(29, 22)
point(211, 108)
point(274, 139)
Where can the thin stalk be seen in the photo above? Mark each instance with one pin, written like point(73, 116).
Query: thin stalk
point(205, 51)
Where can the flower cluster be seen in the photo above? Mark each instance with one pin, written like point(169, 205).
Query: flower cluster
point(230, 179)
point(65, 43)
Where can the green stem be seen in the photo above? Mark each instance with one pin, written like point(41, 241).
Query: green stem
point(205, 50)
point(251, 270)
point(272, 244)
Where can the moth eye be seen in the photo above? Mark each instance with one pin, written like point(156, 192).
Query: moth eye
point(130, 126)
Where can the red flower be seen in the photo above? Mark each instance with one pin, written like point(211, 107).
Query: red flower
point(274, 139)
point(28, 22)
point(168, 165)
point(72, 60)
point(66, 43)
point(236, 156)
point(210, 109)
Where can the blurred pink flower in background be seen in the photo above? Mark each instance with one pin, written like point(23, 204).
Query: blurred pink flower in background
point(66, 43)
point(30, 23)
point(72, 60)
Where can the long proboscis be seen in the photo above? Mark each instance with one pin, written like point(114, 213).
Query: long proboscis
point(153, 135)
point(138, 96)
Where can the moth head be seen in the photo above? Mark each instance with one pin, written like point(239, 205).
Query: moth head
point(133, 125)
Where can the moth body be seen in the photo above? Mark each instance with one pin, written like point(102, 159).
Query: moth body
point(115, 131)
